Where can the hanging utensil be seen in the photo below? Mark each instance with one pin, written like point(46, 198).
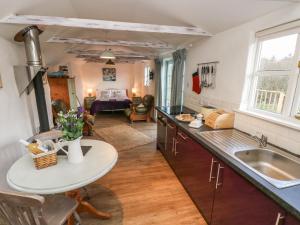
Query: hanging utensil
point(208, 76)
point(214, 76)
point(204, 71)
point(202, 76)
point(211, 76)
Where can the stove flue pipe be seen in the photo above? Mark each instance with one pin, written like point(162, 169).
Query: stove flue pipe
point(30, 37)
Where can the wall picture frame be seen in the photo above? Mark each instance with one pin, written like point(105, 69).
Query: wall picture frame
point(109, 74)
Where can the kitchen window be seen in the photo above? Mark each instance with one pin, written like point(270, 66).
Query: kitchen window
point(167, 70)
point(275, 85)
point(147, 76)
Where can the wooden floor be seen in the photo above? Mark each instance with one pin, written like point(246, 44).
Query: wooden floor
point(141, 189)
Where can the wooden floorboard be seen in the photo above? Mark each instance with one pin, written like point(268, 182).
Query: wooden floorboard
point(141, 189)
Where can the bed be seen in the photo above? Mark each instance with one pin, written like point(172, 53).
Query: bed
point(110, 100)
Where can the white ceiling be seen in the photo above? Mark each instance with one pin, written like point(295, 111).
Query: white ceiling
point(212, 15)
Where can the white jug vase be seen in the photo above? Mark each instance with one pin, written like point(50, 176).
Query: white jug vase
point(74, 150)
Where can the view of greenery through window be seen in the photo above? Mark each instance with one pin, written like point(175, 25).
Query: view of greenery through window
point(274, 67)
point(167, 81)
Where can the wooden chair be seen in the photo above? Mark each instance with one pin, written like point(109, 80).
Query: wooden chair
point(28, 209)
point(54, 135)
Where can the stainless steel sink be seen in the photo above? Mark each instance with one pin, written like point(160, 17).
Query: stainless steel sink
point(278, 169)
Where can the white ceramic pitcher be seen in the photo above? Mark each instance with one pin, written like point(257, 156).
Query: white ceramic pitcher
point(74, 150)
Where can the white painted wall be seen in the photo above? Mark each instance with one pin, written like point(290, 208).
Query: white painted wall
point(232, 49)
point(91, 76)
point(14, 118)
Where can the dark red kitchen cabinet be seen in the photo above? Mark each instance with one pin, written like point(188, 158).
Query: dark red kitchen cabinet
point(290, 220)
point(193, 168)
point(161, 133)
point(237, 201)
point(170, 139)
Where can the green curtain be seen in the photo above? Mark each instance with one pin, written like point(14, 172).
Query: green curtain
point(158, 82)
point(179, 57)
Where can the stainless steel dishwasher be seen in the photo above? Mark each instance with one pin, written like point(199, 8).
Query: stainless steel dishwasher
point(161, 132)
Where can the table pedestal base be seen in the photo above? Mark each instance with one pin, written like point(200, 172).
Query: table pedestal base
point(84, 206)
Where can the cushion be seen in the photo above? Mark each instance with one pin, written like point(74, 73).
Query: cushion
point(113, 94)
point(148, 100)
point(121, 94)
point(127, 112)
point(141, 110)
point(105, 94)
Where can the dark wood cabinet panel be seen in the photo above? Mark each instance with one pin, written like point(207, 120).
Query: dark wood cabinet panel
point(237, 201)
point(222, 195)
point(290, 220)
point(170, 142)
point(161, 133)
point(193, 168)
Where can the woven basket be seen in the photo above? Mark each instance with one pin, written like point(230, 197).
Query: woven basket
point(45, 159)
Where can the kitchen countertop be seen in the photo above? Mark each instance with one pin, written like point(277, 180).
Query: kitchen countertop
point(288, 198)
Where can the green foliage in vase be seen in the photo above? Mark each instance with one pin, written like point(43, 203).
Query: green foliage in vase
point(71, 124)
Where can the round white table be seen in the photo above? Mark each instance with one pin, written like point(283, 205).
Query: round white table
point(65, 177)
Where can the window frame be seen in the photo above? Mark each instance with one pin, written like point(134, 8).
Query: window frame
point(165, 69)
point(292, 97)
point(147, 70)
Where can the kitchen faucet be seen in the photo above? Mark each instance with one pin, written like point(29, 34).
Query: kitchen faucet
point(262, 141)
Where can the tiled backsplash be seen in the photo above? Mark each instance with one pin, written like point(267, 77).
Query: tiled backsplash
point(281, 136)
point(195, 101)
point(278, 135)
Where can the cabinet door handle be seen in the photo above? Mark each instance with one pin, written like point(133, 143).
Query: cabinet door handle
point(175, 146)
point(280, 217)
point(160, 122)
point(170, 126)
point(218, 176)
point(211, 170)
point(182, 136)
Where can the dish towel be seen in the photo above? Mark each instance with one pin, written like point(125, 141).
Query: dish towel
point(196, 82)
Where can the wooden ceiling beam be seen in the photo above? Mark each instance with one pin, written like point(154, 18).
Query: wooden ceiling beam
point(158, 45)
point(92, 60)
point(103, 24)
point(97, 53)
point(117, 57)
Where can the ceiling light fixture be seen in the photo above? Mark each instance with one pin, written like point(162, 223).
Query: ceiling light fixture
point(110, 62)
point(107, 54)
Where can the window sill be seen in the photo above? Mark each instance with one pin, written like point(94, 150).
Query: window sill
point(292, 123)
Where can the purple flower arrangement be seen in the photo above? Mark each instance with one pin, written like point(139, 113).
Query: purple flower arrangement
point(71, 124)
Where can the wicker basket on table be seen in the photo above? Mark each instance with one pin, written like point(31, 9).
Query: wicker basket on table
point(45, 159)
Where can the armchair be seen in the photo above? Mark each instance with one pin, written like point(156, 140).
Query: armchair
point(141, 109)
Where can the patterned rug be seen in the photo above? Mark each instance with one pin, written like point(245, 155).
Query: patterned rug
point(123, 137)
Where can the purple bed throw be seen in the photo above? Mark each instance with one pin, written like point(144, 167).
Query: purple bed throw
point(111, 105)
